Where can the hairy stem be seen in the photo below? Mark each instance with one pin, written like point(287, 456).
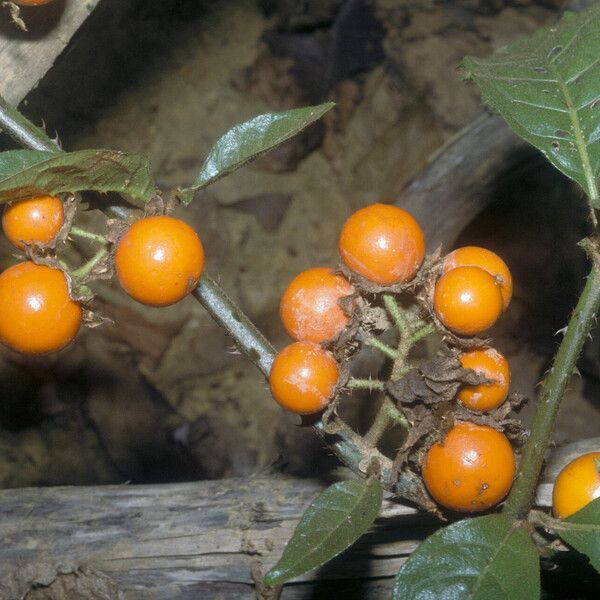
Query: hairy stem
point(82, 272)
point(387, 416)
point(365, 384)
point(88, 235)
point(382, 347)
point(522, 494)
point(396, 313)
point(250, 341)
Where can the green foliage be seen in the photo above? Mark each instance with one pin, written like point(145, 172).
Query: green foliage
point(25, 173)
point(547, 88)
point(486, 558)
point(248, 140)
point(332, 523)
point(581, 531)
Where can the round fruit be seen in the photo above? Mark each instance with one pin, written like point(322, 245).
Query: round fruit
point(159, 260)
point(474, 256)
point(310, 309)
point(577, 485)
point(37, 315)
point(32, 2)
point(303, 378)
point(467, 300)
point(34, 220)
point(383, 243)
point(472, 470)
point(493, 366)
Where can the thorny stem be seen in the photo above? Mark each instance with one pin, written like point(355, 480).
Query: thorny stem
point(23, 131)
point(365, 384)
point(83, 271)
point(88, 235)
point(382, 347)
point(387, 416)
point(522, 494)
point(409, 334)
point(392, 307)
point(345, 443)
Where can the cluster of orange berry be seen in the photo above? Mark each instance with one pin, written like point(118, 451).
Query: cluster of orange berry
point(383, 245)
point(158, 261)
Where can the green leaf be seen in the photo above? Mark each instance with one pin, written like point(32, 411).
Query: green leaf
point(25, 173)
point(486, 558)
point(248, 140)
point(547, 88)
point(582, 531)
point(332, 523)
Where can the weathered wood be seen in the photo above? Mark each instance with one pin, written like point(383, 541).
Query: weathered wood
point(460, 179)
point(25, 57)
point(191, 540)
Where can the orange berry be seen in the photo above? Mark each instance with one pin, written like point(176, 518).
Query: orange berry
point(310, 308)
point(467, 300)
point(34, 220)
point(493, 366)
point(577, 485)
point(32, 2)
point(383, 243)
point(472, 470)
point(159, 260)
point(474, 256)
point(303, 378)
point(37, 315)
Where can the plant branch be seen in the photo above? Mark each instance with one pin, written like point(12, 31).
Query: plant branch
point(260, 352)
point(382, 347)
point(85, 269)
point(387, 416)
point(521, 496)
point(345, 443)
point(88, 235)
point(391, 305)
point(23, 131)
point(365, 384)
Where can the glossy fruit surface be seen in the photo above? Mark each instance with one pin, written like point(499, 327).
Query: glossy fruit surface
point(467, 300)
point(37, 315)
point(310, 308)
point(33, 220)
point(32, 2)
point(383, 243)
point(474, 256)
point(159, 260)
point(303, 378)
point(577, 485)
point(472, 470)
point(493, 366)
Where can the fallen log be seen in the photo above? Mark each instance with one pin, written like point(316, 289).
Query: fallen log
point(193, 540)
